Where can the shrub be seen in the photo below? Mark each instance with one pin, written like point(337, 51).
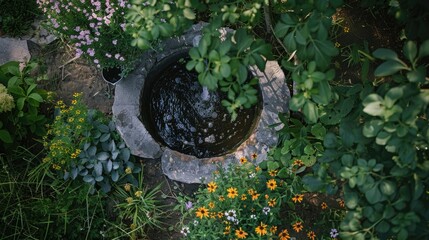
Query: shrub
point(95, 28)
point(20, 101)
point(82, 144)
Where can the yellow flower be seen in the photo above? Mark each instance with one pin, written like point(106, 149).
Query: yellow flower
point(78, 151)
point(219, 214)
point(128, 170)
point(240, 233)
point(77, 94)
point(71, 119)
point(324, 205)
point(211, 187)
point(261, 229)
point(257, 169)
point(243, 160)
point(138, 193)
point(221, 198)
point(78, 127)
point(284, 235)
point(232, 192)
point(298, 198)
point(243, 197)
point(272, 173)
point(202, 212)
point(73, 155)
point(337, 44)
point(255, 195)
point(227, 230)
point(346, 29)
point(127, 187)
point(273, 229)
point(311, 235)
point(211, 205)
point(272, 184)
point(272, 202)
point(74, 101)
point(254, 155)
point(298, 163)
point(81, 120)
point(297, 226)
point(77, 112)
point(250, 191)
point(129, 200)
point(57, 118)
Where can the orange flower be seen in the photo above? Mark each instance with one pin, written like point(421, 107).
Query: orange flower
point(243, 197)
point(272, 202)
point(202, 212)
point(341, 203)
point(227, 230)
point(298, 163)
point(311, 235)
point(257, 169)
point(297, 226)
point(232, 192)
point(324, 205)
point(261, 230)
point(272, 184)
point(284, 235)
point(211, 187)
point(298, 198)
point(243, 160)
point(240, 233)
point(255, 196)
point(211, 205)
point(273, 229)
point(254, 155)
point(273, 173)
point(221, 198)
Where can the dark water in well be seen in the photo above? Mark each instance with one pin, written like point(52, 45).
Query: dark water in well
point(189, 119)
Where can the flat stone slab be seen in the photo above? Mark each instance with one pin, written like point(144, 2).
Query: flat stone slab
point(182, 167)
point(12, 49)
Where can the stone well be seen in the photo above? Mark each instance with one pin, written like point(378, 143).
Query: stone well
point(179, 166)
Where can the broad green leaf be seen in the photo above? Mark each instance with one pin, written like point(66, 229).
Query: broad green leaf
point(281, 29)
point(324, 95)
point(417, 75)
point(31, 88)
point(392, 96)
point(272, 165)
point(296, 102)
point(36, 97)
point(385, 54)
point(382, 138)
point(373, 195)
point(311, 112)
point(20, 103)
point(5, 136)
point(289, 42)
point(351, 199)
point(330, 140)
point(410, 50)
point(374, 109)
point(387, 187)
point(17, 90)
point(424, 49)
point(312, 183)
point(318, 130)
point(388, 68)
point(188, 13)
point(225, 70)
point(102, 156)
point(371, 128)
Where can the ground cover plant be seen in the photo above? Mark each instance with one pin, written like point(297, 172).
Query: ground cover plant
point(362, 140)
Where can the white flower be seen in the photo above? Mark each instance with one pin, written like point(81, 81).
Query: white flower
point(195, 222)
point(253, 216)
point(266, 210)
point(231, 215)
point(185, 231)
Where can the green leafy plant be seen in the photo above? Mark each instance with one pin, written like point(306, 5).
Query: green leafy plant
point(21, 115)
point(83, 144)
point(138, 208)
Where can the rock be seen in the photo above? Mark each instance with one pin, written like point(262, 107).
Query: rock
point(12, 49)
